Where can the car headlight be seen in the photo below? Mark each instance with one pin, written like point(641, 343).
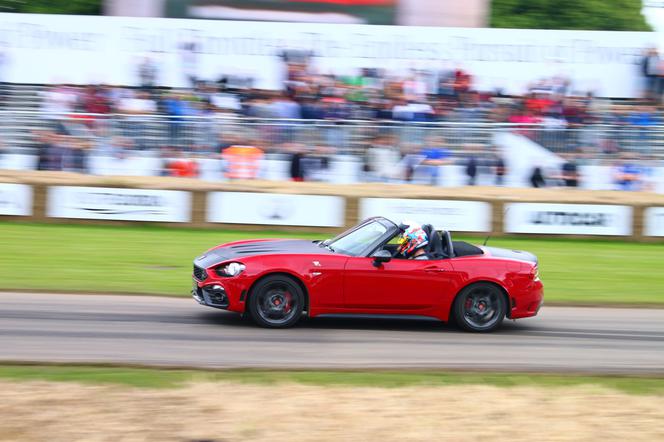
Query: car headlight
point(231, 269)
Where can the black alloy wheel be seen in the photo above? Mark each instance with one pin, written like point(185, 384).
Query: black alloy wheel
point(480, 307)
point(276, 302)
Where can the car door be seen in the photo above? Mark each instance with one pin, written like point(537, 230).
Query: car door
point(400, 286)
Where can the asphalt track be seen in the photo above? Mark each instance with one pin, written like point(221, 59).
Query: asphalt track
point(178, 332)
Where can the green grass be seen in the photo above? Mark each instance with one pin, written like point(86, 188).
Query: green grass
point(164, 378)
point(157, 260)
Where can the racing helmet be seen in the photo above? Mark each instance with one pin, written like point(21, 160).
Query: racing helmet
point(412, 238)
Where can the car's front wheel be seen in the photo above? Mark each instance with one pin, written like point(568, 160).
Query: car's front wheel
point(480, 307)
point(276, 301)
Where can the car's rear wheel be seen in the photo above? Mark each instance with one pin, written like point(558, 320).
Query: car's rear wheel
point(276, 301)
point(480, 307)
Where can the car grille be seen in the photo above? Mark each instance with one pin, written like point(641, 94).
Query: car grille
point(200, 273)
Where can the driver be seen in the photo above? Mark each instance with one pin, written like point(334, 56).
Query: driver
point(413, 242)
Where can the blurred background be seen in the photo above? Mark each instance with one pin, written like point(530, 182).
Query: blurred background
point(135, 134)
point(453, 100)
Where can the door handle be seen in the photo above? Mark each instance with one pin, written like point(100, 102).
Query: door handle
point(433, 269)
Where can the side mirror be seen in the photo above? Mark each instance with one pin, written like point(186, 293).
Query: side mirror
point(380, 257)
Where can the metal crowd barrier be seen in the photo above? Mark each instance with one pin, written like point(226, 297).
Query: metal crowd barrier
point(207, 133)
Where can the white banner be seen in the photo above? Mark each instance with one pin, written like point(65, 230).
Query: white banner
point(97, 49)
point(108, 203)
point(653, 221)
point(275, 209)
point(456, 216)
point(15, 199)
point(568, 219)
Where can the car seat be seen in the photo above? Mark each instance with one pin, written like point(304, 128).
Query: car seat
point(435, 247)
point(447, 246)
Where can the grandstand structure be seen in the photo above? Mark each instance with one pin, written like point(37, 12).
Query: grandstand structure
point(611, 133)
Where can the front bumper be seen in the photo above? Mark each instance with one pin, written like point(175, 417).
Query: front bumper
point(212, 295)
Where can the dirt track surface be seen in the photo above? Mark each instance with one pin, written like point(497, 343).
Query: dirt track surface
point(38, 411)
point(179, 332)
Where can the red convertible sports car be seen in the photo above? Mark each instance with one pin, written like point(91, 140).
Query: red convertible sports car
point(276, 281)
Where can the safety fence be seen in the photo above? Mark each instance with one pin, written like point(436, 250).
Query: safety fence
point(609, 214)
point(203, 134)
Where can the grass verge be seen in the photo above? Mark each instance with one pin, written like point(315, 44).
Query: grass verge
point(157, 260)
point(167, 378)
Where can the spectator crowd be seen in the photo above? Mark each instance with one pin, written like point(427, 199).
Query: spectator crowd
point(403, 127)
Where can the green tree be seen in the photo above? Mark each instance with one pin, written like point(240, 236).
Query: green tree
point(605, 15)
point(82, 7)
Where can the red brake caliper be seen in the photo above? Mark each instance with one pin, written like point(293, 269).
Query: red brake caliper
point(288, 298)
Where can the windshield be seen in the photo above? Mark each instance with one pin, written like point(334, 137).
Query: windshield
point(355, 242)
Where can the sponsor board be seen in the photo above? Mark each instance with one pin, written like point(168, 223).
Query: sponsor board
point(43, 49)
point(568, 219)
point(456, 216)
point(15, 199)
point(108, 203)
point(653, 221)
point(275, 209)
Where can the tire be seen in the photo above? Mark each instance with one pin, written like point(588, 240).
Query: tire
point(480, 307)
point(277, 301)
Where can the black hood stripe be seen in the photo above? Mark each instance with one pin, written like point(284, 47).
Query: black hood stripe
point(275, 247)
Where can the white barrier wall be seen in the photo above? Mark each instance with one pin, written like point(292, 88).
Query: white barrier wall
point(43, 49)
point(152, 205)
point(108, 203)
point(15, 199)
point(457, 216)
point(568, 219)
point(275, 209)
point(653, 221)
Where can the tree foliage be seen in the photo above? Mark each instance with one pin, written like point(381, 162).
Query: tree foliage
point(605, 15)
point(78, 7)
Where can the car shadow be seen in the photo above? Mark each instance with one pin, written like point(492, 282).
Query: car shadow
point(230, 319)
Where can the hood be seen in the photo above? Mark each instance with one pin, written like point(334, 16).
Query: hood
point(270, 247)
point(518, 255)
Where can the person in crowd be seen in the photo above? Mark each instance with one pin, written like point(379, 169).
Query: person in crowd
point(628, 173)
point(651, 66)
point(147, 74)
point(177, 163)
point(317, 164)
point(178, 107)
point(297, 172)
point(224, 102)
point(79, 151)
point(411, 158)
point(434, 156)
point(537, 179)
point(642, 121)
point(500, 169)
point(95, 100)
point(136, 108)
point(189, 62)
point(384, 159)
point(43, 142)
point(114, 147)
point(564, 121)
point(472, 167)
point(58, 101)
point(569, 172)
point(139, 103)
point(242, 162)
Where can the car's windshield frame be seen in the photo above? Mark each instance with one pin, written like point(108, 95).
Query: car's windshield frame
point(391, 229)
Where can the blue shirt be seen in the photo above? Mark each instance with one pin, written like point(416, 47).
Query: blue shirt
point(435, 153)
